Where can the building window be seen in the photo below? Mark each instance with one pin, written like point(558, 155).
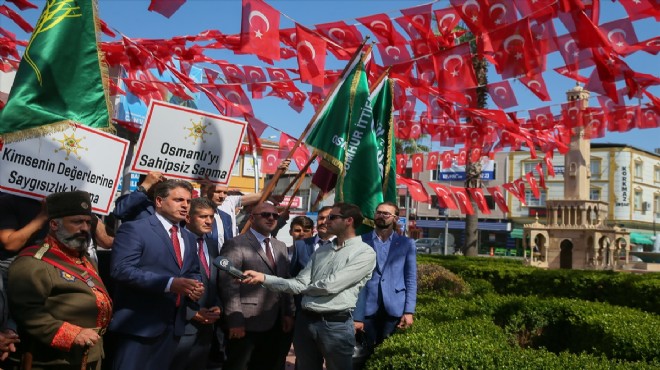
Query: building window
point(531, 201)
point(656, 173)
point(639, 165)
point(638, 200)
point(529, 167)
point(595, 168)
point(594, 194)
point(656, 205)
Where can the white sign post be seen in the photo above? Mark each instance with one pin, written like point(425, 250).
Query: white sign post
point(188, 144)
point(78, 158)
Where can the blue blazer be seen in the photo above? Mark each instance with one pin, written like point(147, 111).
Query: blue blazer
point(396, 280)
point(142, 263)
point(133, 206)
point(302, 253)
point(226, 227)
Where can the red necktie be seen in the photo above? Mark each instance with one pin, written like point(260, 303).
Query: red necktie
point(202, 257)
point(177, 247)
point(269, 254)
point(177, 252)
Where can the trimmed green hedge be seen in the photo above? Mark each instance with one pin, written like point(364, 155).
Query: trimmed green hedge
point(509, 276)
point(471, 326)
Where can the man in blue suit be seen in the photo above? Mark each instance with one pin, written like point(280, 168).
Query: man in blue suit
point(156, 269)
point(192, 353)
point(303, 249)
point(388, 300)
point(222, 229)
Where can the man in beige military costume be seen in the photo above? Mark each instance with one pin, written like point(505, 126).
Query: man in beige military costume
point(56, 297)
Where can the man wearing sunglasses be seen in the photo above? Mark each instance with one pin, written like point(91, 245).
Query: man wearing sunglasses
point(388, 300)
point(329, 284)
point(256, 318)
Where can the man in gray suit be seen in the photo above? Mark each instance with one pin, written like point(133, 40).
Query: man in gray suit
point(256, 318)
point(192, 352)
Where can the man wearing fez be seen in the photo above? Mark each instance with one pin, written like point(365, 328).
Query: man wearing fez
point(57, 299)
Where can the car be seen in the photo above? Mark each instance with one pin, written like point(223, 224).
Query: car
point(435, 245)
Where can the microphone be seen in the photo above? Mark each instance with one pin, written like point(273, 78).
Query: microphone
point(224, 264)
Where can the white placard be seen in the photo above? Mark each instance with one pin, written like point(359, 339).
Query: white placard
point(188, 144)
point(248, 165)
point(78, 158)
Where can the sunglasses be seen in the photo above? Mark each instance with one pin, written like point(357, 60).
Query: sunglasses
point(267, 214)
point(334, 217)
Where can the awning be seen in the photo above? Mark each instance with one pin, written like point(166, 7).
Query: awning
point(641, 238)
point(516, 234)
point(460, 225)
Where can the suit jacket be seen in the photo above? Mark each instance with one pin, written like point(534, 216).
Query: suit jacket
point(252, 306)
point(142, 263)
point(133, 206)
point(396, 280)
point(210, 297)
point(302, 253)
point(226, 228)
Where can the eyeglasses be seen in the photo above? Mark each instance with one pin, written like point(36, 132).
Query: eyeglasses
point(334, 217)
point(267, 214)
point(384, 214)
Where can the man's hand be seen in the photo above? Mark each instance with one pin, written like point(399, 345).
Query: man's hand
point(8, 340)
point(207, 315)
point(287, 324)
point(253, 277)
point(87, 338)
point(237, 333)
point(187, 287)
point(358, 325)
point(406, 321)
point(284, 165)
point(152, 179)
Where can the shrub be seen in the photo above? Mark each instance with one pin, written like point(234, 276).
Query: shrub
point(433, 277)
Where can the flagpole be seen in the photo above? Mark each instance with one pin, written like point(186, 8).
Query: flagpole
point(380, 79)
point(301, 173)
point(271, 185)
point(295, 191)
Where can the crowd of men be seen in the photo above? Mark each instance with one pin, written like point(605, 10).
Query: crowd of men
point(171, 301)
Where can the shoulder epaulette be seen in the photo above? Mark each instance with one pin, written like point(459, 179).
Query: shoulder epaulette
point(40, 253)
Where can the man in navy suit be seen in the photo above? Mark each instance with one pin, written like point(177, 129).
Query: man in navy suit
point(156, 269)
point(303, 249)
point(388, 300)
point(222, 229)
point(192, 353)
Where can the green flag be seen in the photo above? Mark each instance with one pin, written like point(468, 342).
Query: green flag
point(60, 78)
point(381, 101)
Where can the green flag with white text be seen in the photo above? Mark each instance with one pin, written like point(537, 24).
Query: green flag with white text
point(381, 101)
point(60, 78)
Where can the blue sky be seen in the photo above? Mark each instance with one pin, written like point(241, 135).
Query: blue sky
point(132, 18)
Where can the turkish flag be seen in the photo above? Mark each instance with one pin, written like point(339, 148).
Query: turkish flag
point(531, 180)
point(541, 118)
point(445, 196)
point(594, 123)
point(300, 156)
point(381, 26)
point(621, 35)
point(432, 161)
point(548, 163)
point(651, 46)
point(574, 56)
point(415, 188)
point(255, 77)
point(517, 54)
point(345, 39)
point(420, 19)
point(571, 114)
point(447, 19)
point(239, 104)
point(142, 89)
point(639, 9)
point(539, 170)
point(473, 13)
point(511, 188)
point(649, 117)
point(393, 55)
point(464, 203)
point(417, 162)
point(165, 7)
point(447, 159)
point(232, 73)
point(461, 160)
point(401, 163)
point(502, 94)
point(536, 84)
point(284, 82)
point(311, 56)
point(260, 30)
point(498, 197)
point(269, 161)
point(478, 195)
point(453, 68)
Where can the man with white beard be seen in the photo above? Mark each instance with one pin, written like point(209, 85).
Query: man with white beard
point(56, 296)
